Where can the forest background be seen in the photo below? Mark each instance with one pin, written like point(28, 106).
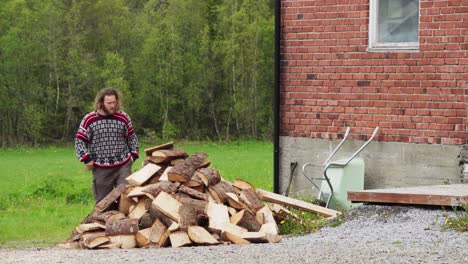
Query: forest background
point(196, 70)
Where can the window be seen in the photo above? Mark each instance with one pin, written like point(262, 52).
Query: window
point(393, 25)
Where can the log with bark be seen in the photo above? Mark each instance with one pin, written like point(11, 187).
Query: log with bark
point(209, 176)
point(168, 145)
point(182, 172)
point(166, 155)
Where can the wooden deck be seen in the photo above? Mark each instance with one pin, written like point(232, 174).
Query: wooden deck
point(450, 195)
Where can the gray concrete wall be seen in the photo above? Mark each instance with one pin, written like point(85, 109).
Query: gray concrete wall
point(387, 164)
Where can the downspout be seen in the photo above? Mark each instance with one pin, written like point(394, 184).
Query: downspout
point(276, 132)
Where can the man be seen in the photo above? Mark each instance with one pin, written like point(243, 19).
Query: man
point(106, 143)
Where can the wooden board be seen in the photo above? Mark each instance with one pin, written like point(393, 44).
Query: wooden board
point(301, 205)
point(450, 195)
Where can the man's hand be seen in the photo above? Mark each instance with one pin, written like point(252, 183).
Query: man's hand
point(89, 165)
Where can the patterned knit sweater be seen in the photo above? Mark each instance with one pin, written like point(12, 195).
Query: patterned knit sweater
point(109, 141)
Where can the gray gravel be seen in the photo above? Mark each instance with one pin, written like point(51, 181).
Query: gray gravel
point(370, 234)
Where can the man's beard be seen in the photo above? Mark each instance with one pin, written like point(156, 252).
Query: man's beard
point(108, 112)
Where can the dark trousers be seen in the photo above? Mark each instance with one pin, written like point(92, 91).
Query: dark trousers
point(105, 179)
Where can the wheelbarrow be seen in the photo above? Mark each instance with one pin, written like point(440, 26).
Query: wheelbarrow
point(325, 190)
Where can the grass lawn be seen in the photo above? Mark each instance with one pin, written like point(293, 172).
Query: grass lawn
point(45, 193)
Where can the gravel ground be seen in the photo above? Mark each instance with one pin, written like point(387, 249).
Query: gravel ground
point(370, 234)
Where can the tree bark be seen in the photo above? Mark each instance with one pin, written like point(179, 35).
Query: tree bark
point(184, 171)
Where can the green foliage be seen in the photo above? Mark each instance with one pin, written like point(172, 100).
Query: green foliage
point(187, 69)
point(460, 221)
point(305, 223)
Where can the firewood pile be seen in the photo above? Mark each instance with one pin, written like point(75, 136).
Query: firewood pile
point(179, 200)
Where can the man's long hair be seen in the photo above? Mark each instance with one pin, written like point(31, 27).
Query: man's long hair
point(108, 91)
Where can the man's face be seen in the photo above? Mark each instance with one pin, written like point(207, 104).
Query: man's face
point(110, 102)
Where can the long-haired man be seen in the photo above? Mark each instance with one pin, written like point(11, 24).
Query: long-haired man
point(106, 143)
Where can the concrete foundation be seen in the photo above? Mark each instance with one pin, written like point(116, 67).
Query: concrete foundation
point(387, 165)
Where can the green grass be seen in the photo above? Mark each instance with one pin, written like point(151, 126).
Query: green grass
point(45, 193)
point(460, 221)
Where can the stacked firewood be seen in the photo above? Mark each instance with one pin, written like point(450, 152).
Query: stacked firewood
point(179, 200)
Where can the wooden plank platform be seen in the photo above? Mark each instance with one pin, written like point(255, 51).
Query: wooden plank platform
point(450, 195)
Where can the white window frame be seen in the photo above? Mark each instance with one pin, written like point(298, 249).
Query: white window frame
point(373, 28)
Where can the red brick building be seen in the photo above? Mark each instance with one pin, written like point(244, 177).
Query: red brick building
point(401, 65)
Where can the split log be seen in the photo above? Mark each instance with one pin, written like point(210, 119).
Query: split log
point(260, 237)
point(69, 245)
point(247, 220)
point(229, 227)
point(280, 212)
point(191, 212)
point(157, 176)
point(137, 191)
point(167, 145)
point(122, 227)
point(183, 172)
point(232, 211)
point(211, 199)
point(159, 234)
point(142, 175)
point(301, 205)
point(163, 176)
point(89, 227)
point(194, 181)
point(143, 237)
point(103, 217)
point(205, 164)
point(125, 241)
point(166, 155)
point(200, 236)
point(95, 240)
point(163, 186)
point(266, 215)
point(176, 161)
point(219, 219)
point(173, 227)
point(219, 191)
point(110, 246)
point(209, 176)
point(234, 201)
point(217, 215)
point(269, 228)
point(139, 210)
point(251, 199)
point(179, 239)
point(145, 221)
point(110, 198)
point(126, 202)
point(156, 214)
point(93, 233)
point(243, 185)
point(238, 240)
point(192, 192)
point(167, 205)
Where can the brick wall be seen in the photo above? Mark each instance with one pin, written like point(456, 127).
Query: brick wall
point(329, 80)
